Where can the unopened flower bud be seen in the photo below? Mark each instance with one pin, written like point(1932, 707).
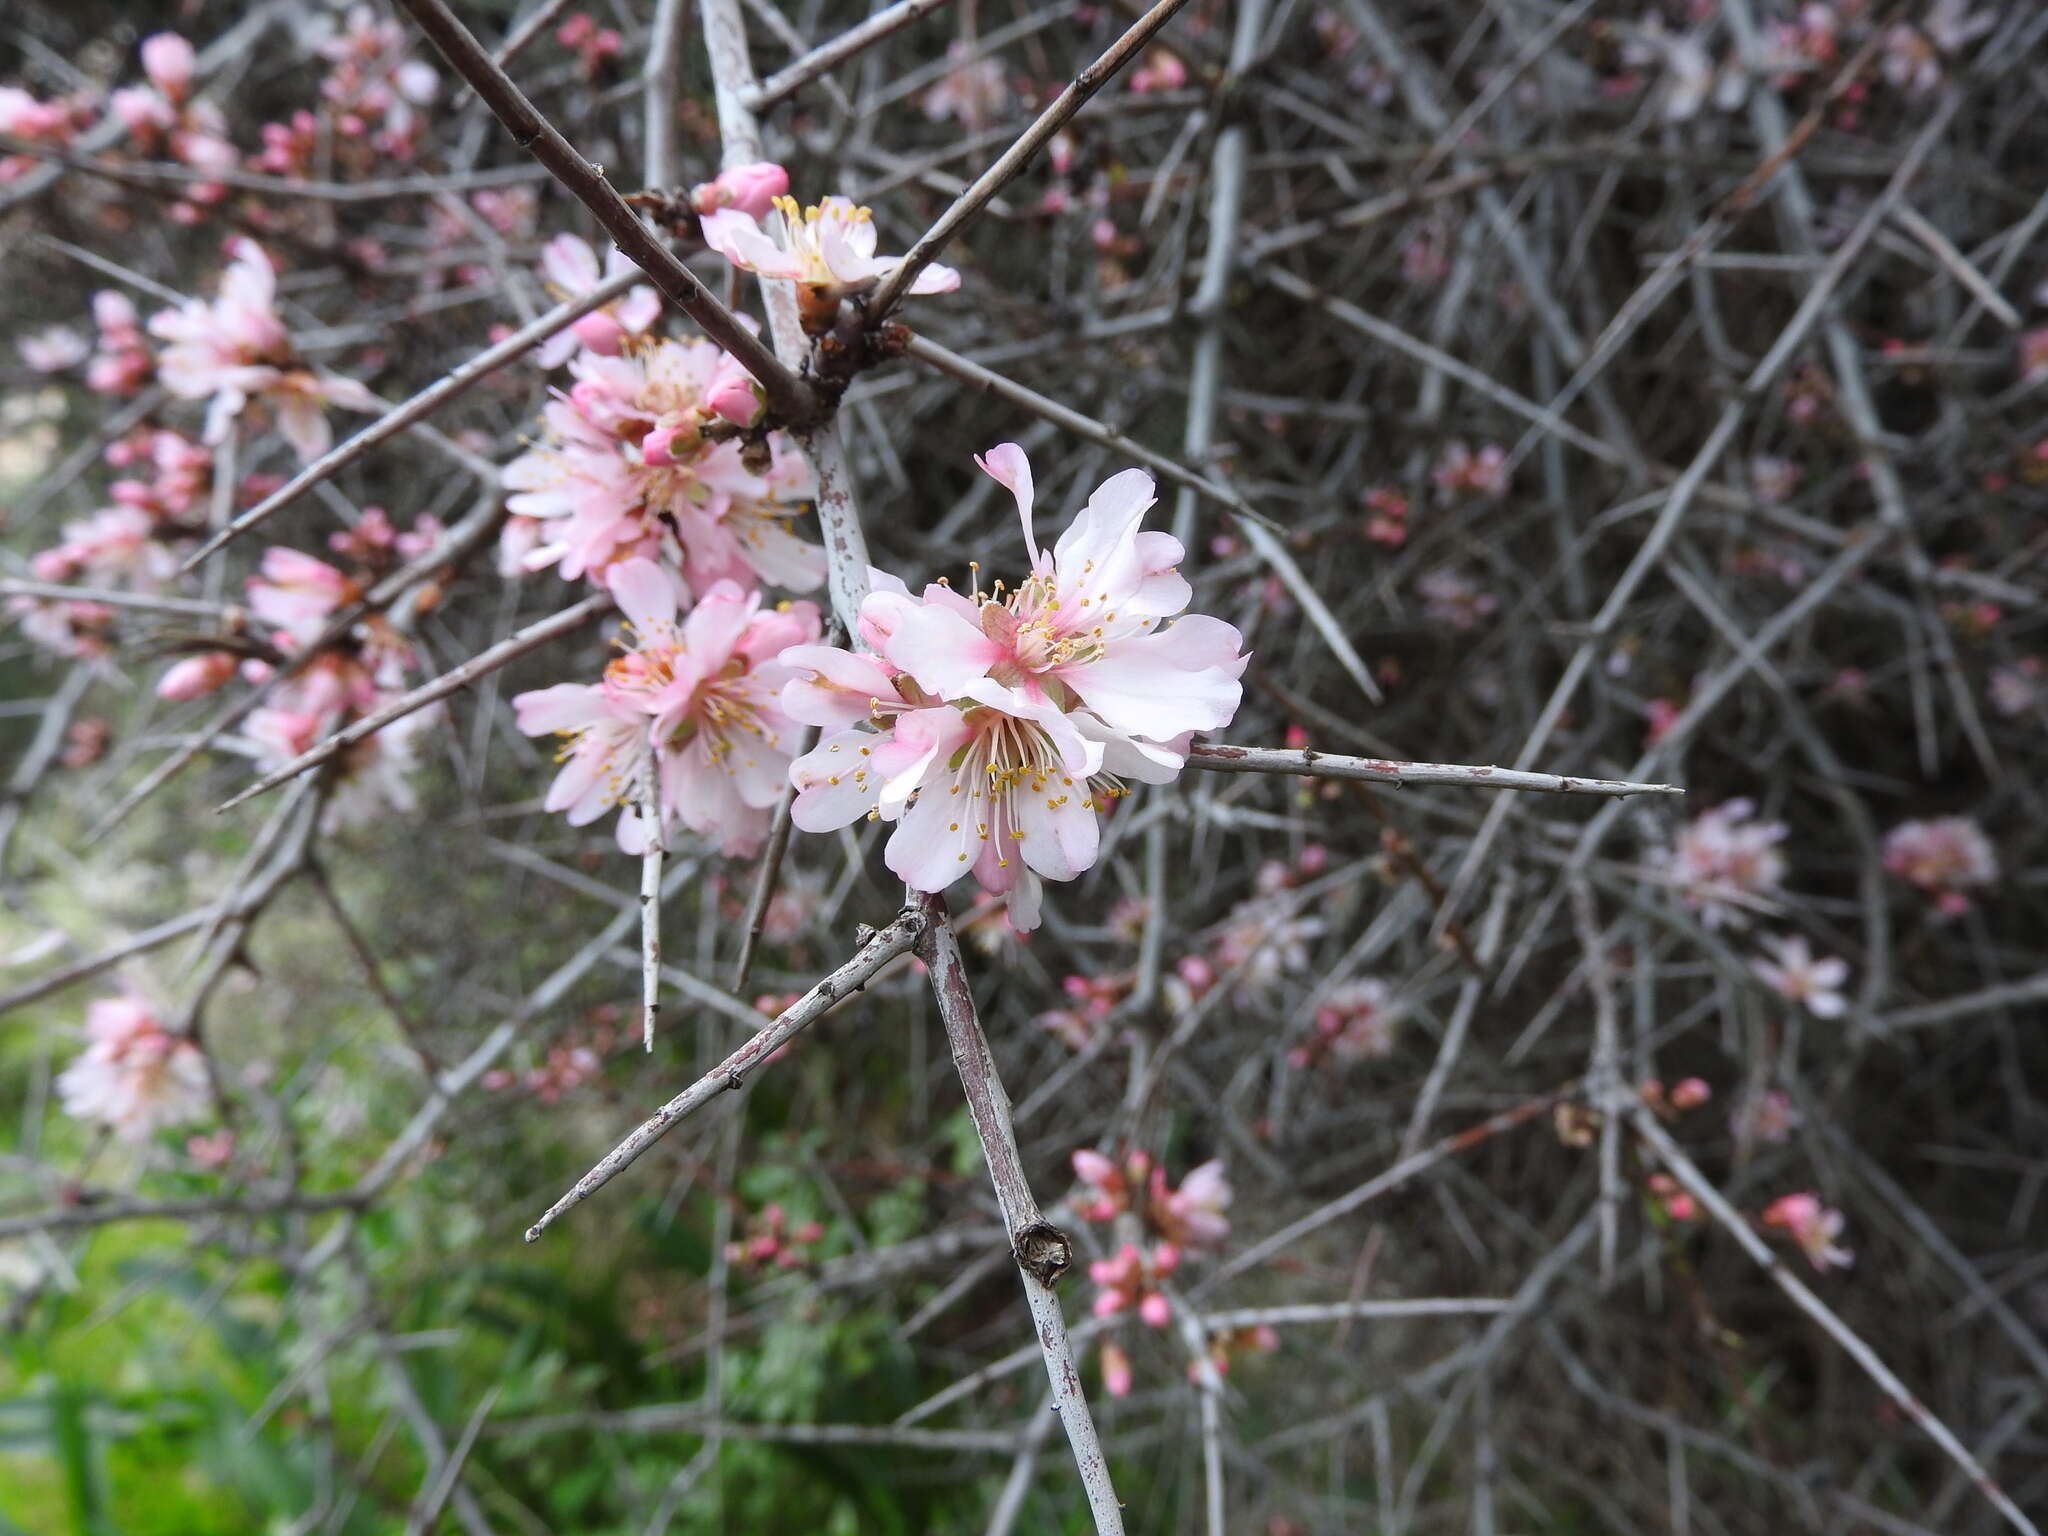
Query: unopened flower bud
point(1690, 1094)
point(196, 676)
point(738, 400)
point(168, 61)
point(670, 444)
point(750, 188)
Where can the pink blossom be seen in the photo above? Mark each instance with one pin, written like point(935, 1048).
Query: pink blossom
point(623, 470)
point(1799, 977)
point(24, 116)
point(1943, 857)
point(830, 246)
point(1356, 1021)
point(993, 728)
point(115, 547)
point(571, 269)
point(736, 398)
point(1768, 1116)
point(1159, 71)
point(693, 704)
point(1724, 865)
point(197, 676)
point(1191, 1216)
point(76, 629)
point(1813, 1226)
point(972, 90)
point(1453, 599)
point(1461, 470)
point(374, 89)
point(236, 349)
point(751, 188)
point(211, 1152)
point(770, 1242)
point(1690, 1093)
point(1260, 943)
point(54, 349)
point(135, 1076)
point(2017, 689)
point(1389, 521)
point(297, 592)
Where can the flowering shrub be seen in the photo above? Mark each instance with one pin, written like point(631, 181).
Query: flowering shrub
point(1549, 420)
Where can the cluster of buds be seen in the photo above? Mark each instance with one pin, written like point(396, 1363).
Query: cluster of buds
point(53, 123)
point(769, 1242)
point(1667, 1104)
point(1388, 520)
point(594, 46)
point(1131, 1281)
point(162, 117)
point(374, 89)
point(132, 545)
point(569, 1063)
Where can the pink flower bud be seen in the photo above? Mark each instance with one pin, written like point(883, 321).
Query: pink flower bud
point(167, 60)
point(752, 189)
point(1116, 1371)
point(1156, 1311)
point(600, 333)
point(1690, 1094)
point(669, 445)
point(196, 676)
point(738, 400)
point(1093, 1168)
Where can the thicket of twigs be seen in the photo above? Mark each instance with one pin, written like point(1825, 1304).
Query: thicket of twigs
point(1646, 393)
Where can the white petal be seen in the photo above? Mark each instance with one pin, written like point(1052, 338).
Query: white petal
point(645, 593)
point(836, 784)
point(1008, 466)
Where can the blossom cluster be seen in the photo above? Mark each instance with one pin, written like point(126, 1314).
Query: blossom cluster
point(1700, 67)
point(993, 728)
point(1157, 1228)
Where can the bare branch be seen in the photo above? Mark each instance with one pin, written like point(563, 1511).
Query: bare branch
point(1042, 1251)
point(878, 951)
point(1373, 770)
point(507, 650)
